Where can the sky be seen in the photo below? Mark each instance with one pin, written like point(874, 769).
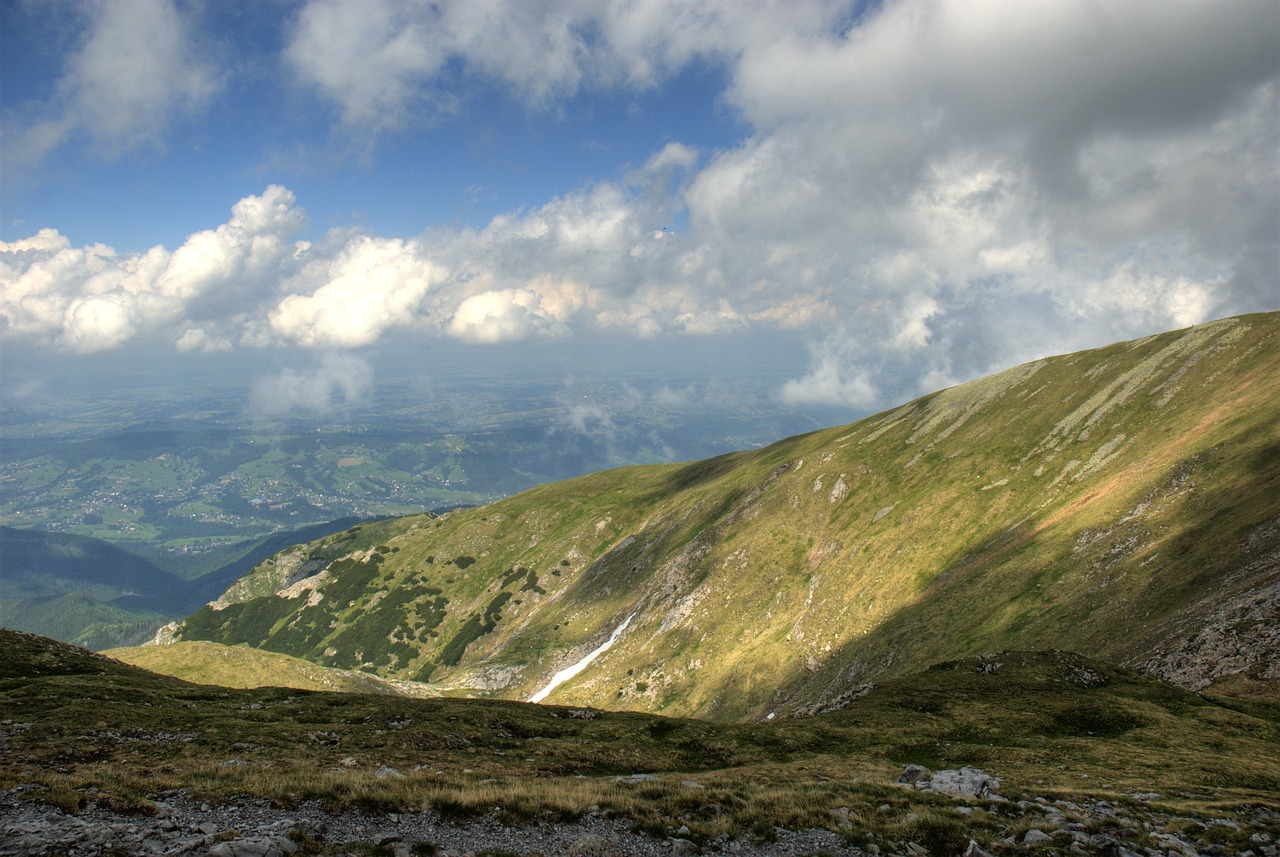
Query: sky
point(875, 199)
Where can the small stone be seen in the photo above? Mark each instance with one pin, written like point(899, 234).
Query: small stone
point(1035, 836)
point(386, 772)
point(975, 850)
point(592, 845)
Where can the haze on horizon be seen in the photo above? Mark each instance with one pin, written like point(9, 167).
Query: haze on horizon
point(852, 203)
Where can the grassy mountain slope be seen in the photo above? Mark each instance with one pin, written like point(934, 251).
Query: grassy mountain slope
point(95, 594)
point(40, 563)
point(77, 617)
point(240, 666)
point(82, 590)
point(80, 727)
point(1123, 502)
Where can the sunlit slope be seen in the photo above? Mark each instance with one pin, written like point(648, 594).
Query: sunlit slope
point(1122, 502)
point(240, 666)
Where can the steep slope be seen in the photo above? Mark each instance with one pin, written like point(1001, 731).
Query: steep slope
point(1123, 502)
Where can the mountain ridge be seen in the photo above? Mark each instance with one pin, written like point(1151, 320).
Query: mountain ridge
point(1102, 501)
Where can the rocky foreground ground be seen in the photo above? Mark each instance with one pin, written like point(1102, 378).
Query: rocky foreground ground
point(181, 825)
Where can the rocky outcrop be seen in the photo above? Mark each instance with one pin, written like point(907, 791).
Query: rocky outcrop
point(967, 783)
point(1239, 636)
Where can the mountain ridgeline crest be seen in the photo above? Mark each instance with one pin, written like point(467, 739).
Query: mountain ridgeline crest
point(1123, 502)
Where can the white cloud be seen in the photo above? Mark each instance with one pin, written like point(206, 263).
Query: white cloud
point(338, 381)
point(370, 286)
point(370, 57)
point(507, 315)
point(98, 322)
point(91, 299)
point(503, 315)
point(138, 71)
point(198, 339)
point(383, 61)
point(836, 377)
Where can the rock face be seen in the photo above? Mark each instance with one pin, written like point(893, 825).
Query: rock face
point(1232, 636)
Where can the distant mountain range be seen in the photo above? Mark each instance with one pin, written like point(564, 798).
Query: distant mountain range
point(1122, 502)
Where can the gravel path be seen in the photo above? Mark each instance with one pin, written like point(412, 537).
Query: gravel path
point(254, 828)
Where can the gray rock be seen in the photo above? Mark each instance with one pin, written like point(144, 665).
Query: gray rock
point(1035, 837)
point(975, 850)
point(913, 774)
point(386, 772)
point(1169, 842)
point(635, 778)
point(964, 783)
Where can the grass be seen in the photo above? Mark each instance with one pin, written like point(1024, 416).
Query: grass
point(76, 722)
point(243, 667)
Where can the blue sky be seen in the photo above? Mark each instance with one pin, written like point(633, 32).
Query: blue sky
point(894, 196)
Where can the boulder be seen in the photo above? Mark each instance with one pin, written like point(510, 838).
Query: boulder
point(914, 774)
point(964, 783)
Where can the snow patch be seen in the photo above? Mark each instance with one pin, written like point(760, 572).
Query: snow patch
point(569, 672)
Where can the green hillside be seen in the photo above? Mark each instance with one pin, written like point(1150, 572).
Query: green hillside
point(240, 666)
point(1120, 502)
point(94, 594)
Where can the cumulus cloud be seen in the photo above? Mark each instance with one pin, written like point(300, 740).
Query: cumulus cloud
point(370, 286)
point(91, 299)
point(338, 381)
point(137, 70)
point(836, 377)
point(509, 315)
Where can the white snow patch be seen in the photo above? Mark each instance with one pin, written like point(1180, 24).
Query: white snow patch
point(569, 672)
